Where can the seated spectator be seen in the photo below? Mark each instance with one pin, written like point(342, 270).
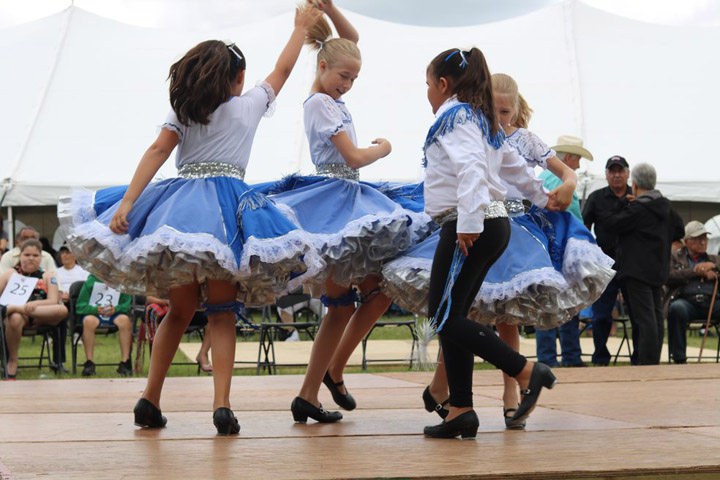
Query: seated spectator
point(43, 307)
point(645, 228)
point(69, 273)
point(155, 311)
point(693, 273)
point(287, 313)
point(104, 315)
point(12, 257)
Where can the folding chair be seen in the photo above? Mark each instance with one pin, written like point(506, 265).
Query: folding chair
point(304, 319)
point(45, 331)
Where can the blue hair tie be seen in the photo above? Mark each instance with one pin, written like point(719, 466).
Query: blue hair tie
point(463, 63)
point(238, 57)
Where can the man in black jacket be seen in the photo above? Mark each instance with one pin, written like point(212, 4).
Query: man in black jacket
point(598, 206)
point(645, 227)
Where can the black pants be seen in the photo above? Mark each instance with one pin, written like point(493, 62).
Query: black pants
point(646, 304)
point(462, 338)
point(680, 313)
point(59, 340)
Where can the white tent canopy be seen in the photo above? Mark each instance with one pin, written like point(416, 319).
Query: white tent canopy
point(83, 94)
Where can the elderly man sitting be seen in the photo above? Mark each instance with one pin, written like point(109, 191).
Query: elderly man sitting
point(693, 273)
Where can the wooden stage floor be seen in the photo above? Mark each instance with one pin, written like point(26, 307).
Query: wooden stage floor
point(598, 423)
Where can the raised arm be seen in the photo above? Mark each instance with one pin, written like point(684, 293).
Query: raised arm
point(304, 19)
point(342, 25)
point(151, 161)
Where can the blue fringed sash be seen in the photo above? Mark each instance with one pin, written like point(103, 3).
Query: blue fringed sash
point(458, 115)
point(455, 267)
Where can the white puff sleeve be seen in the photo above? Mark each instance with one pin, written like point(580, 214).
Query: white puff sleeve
point(514, 171)
point(173, 124)
point(254, 103)
point(533, 149)
point(323, 117)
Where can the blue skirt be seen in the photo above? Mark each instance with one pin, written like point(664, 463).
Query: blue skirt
point(183, 230)
point(551, 269)
point(353, 227)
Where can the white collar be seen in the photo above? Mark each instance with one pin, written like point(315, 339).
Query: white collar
point(447, 104)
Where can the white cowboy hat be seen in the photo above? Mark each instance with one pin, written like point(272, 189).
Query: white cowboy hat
point(570, 144)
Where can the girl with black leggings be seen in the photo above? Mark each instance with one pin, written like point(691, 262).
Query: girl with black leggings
point(465, 157)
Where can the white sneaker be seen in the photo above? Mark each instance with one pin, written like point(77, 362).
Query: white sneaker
point(294, 337)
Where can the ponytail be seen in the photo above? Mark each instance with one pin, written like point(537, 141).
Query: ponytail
point(468, 75)
point(319, 37)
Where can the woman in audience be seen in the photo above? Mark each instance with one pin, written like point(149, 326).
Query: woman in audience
point(43, 307)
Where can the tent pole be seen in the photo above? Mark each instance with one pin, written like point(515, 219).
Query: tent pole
point(11, 228)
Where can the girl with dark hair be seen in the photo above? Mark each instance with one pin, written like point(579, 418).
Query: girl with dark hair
point(205, 235)
point(467, 162)
point(550, 270)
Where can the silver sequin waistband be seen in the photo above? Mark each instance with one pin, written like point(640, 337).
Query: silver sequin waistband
point(494, 210)
point(211, 169)
point(337, 170)
point(514, 207)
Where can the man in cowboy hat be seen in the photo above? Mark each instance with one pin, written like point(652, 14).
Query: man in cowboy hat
point(692, 278)
point(569, 150)
point(597, 205)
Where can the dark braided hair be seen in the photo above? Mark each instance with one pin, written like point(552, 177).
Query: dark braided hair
point(468, 75)
point(201, 80)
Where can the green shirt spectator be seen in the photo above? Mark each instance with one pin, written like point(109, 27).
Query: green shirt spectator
point(550, 181)
point(83, 306)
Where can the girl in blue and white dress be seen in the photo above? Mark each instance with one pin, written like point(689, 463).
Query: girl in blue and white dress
point(353, 226)
point(550, 270)
point(204, 235)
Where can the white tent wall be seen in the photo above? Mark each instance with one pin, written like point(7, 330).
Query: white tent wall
point(649, 93)
point(88, 93)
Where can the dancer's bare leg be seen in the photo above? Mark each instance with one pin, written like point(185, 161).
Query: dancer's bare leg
point(326, 341)
point(373, 306)
point(439, 388)
point(183, 302)
point(509, 334)
point(203, 357)
point(222, 339)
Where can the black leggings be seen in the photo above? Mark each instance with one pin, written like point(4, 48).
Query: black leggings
point(460, 338)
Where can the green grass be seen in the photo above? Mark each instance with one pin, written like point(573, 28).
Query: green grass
point(107, 350)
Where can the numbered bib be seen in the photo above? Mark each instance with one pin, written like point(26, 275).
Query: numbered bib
point(104, 296)
point(18, 289)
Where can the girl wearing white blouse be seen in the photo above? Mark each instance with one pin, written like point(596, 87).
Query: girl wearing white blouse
point(466, 157)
